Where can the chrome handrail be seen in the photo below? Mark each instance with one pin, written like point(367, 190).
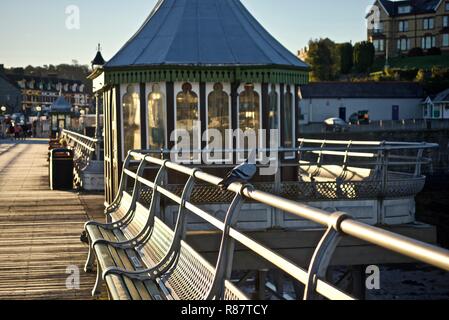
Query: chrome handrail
point(337, 224)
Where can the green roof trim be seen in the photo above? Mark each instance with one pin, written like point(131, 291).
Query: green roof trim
point(201, 74)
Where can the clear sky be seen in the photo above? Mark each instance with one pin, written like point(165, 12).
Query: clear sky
point(34, 32)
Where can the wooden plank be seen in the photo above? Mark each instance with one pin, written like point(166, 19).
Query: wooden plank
point(40, 229)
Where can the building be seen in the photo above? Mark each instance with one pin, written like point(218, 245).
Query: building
point(382, 100)
point(396, 27)
point(437, 107)
point(220, 68)
point(44, 91)
point(10, 95)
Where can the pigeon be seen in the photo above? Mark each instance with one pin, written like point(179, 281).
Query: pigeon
point(242, 173)
point(84, 237)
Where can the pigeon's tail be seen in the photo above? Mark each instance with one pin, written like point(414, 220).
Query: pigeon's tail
point(226, 183)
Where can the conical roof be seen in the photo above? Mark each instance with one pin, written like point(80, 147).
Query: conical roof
point(203, 33)
point(61, 105)
point(98, 60)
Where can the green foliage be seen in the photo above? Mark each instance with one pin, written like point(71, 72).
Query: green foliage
point(323, 57)
point(364, 54)
point(416, 52)
point(345, 52)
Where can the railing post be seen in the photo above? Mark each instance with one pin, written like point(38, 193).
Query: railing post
point(223, 270)
point(323, 255)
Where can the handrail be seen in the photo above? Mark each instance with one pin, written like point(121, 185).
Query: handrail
point(86, 149)
point(338, 224)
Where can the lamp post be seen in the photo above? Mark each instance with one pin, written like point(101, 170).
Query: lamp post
point(38, 124)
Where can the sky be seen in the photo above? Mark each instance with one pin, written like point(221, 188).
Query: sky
point(35, 32)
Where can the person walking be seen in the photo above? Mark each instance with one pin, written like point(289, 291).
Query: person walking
point(17, 131)
point(11, 132)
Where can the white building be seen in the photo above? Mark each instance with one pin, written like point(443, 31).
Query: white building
point(437, 107)
point(382, 100)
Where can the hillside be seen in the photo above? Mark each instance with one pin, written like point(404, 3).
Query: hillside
point(425, 62)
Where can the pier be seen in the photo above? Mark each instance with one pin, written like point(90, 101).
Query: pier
point(40, 228)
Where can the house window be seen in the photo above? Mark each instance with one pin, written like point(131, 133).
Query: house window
point(445, 41)
point(131, 119)
point(218, 112)
point(403, 26)
point(446, 7)
point(378, 27)
point(404, 9)
point(445, 21)
point(428, 42)
point(156, 118)
point(428, 23)
point(403, 44)
point(379, 45)
point(187, 113)
point(289, 117)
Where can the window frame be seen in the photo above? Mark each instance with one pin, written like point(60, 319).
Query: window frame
point(123, 92)
point(403, 26)
point(445, 40)
point(381, 45)
point(177, 90)
point(258, 90)
point(227, 89)
point(428, 23)
point(163, 91)
point(291, 156)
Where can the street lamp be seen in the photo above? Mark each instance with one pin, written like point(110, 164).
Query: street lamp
point(3, 109)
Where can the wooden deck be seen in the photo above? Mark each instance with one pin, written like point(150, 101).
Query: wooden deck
point(40, 228)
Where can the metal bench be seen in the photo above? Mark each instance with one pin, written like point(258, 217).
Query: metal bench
point(140, 257)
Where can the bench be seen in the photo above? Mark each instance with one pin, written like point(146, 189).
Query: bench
point(141, 258)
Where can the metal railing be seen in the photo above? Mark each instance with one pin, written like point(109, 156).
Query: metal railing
point(382, 125)
point(362, 169)
point(85, 149)
point(337, 225)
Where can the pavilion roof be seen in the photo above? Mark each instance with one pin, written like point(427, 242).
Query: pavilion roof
point(203, 33)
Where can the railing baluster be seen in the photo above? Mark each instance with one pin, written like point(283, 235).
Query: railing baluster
point(223, 269)
point(323, 255)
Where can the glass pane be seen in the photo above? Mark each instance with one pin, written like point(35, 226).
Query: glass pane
point(156, 119)
point(131, 120)
point(218, 111)
point(273, 109)
point(288, 119)
point(249, 109)
point(187, 110)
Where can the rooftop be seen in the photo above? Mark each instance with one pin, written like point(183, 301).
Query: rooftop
point(382, 90)
point(418, 6)
point(203, 33)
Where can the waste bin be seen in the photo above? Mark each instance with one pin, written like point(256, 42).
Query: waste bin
point(61, 169)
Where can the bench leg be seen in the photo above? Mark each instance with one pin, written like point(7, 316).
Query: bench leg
point(89, 267)
point(98, 283)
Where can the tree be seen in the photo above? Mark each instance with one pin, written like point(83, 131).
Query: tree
point(364, 54)
point(345, 53)
point(322, 56)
